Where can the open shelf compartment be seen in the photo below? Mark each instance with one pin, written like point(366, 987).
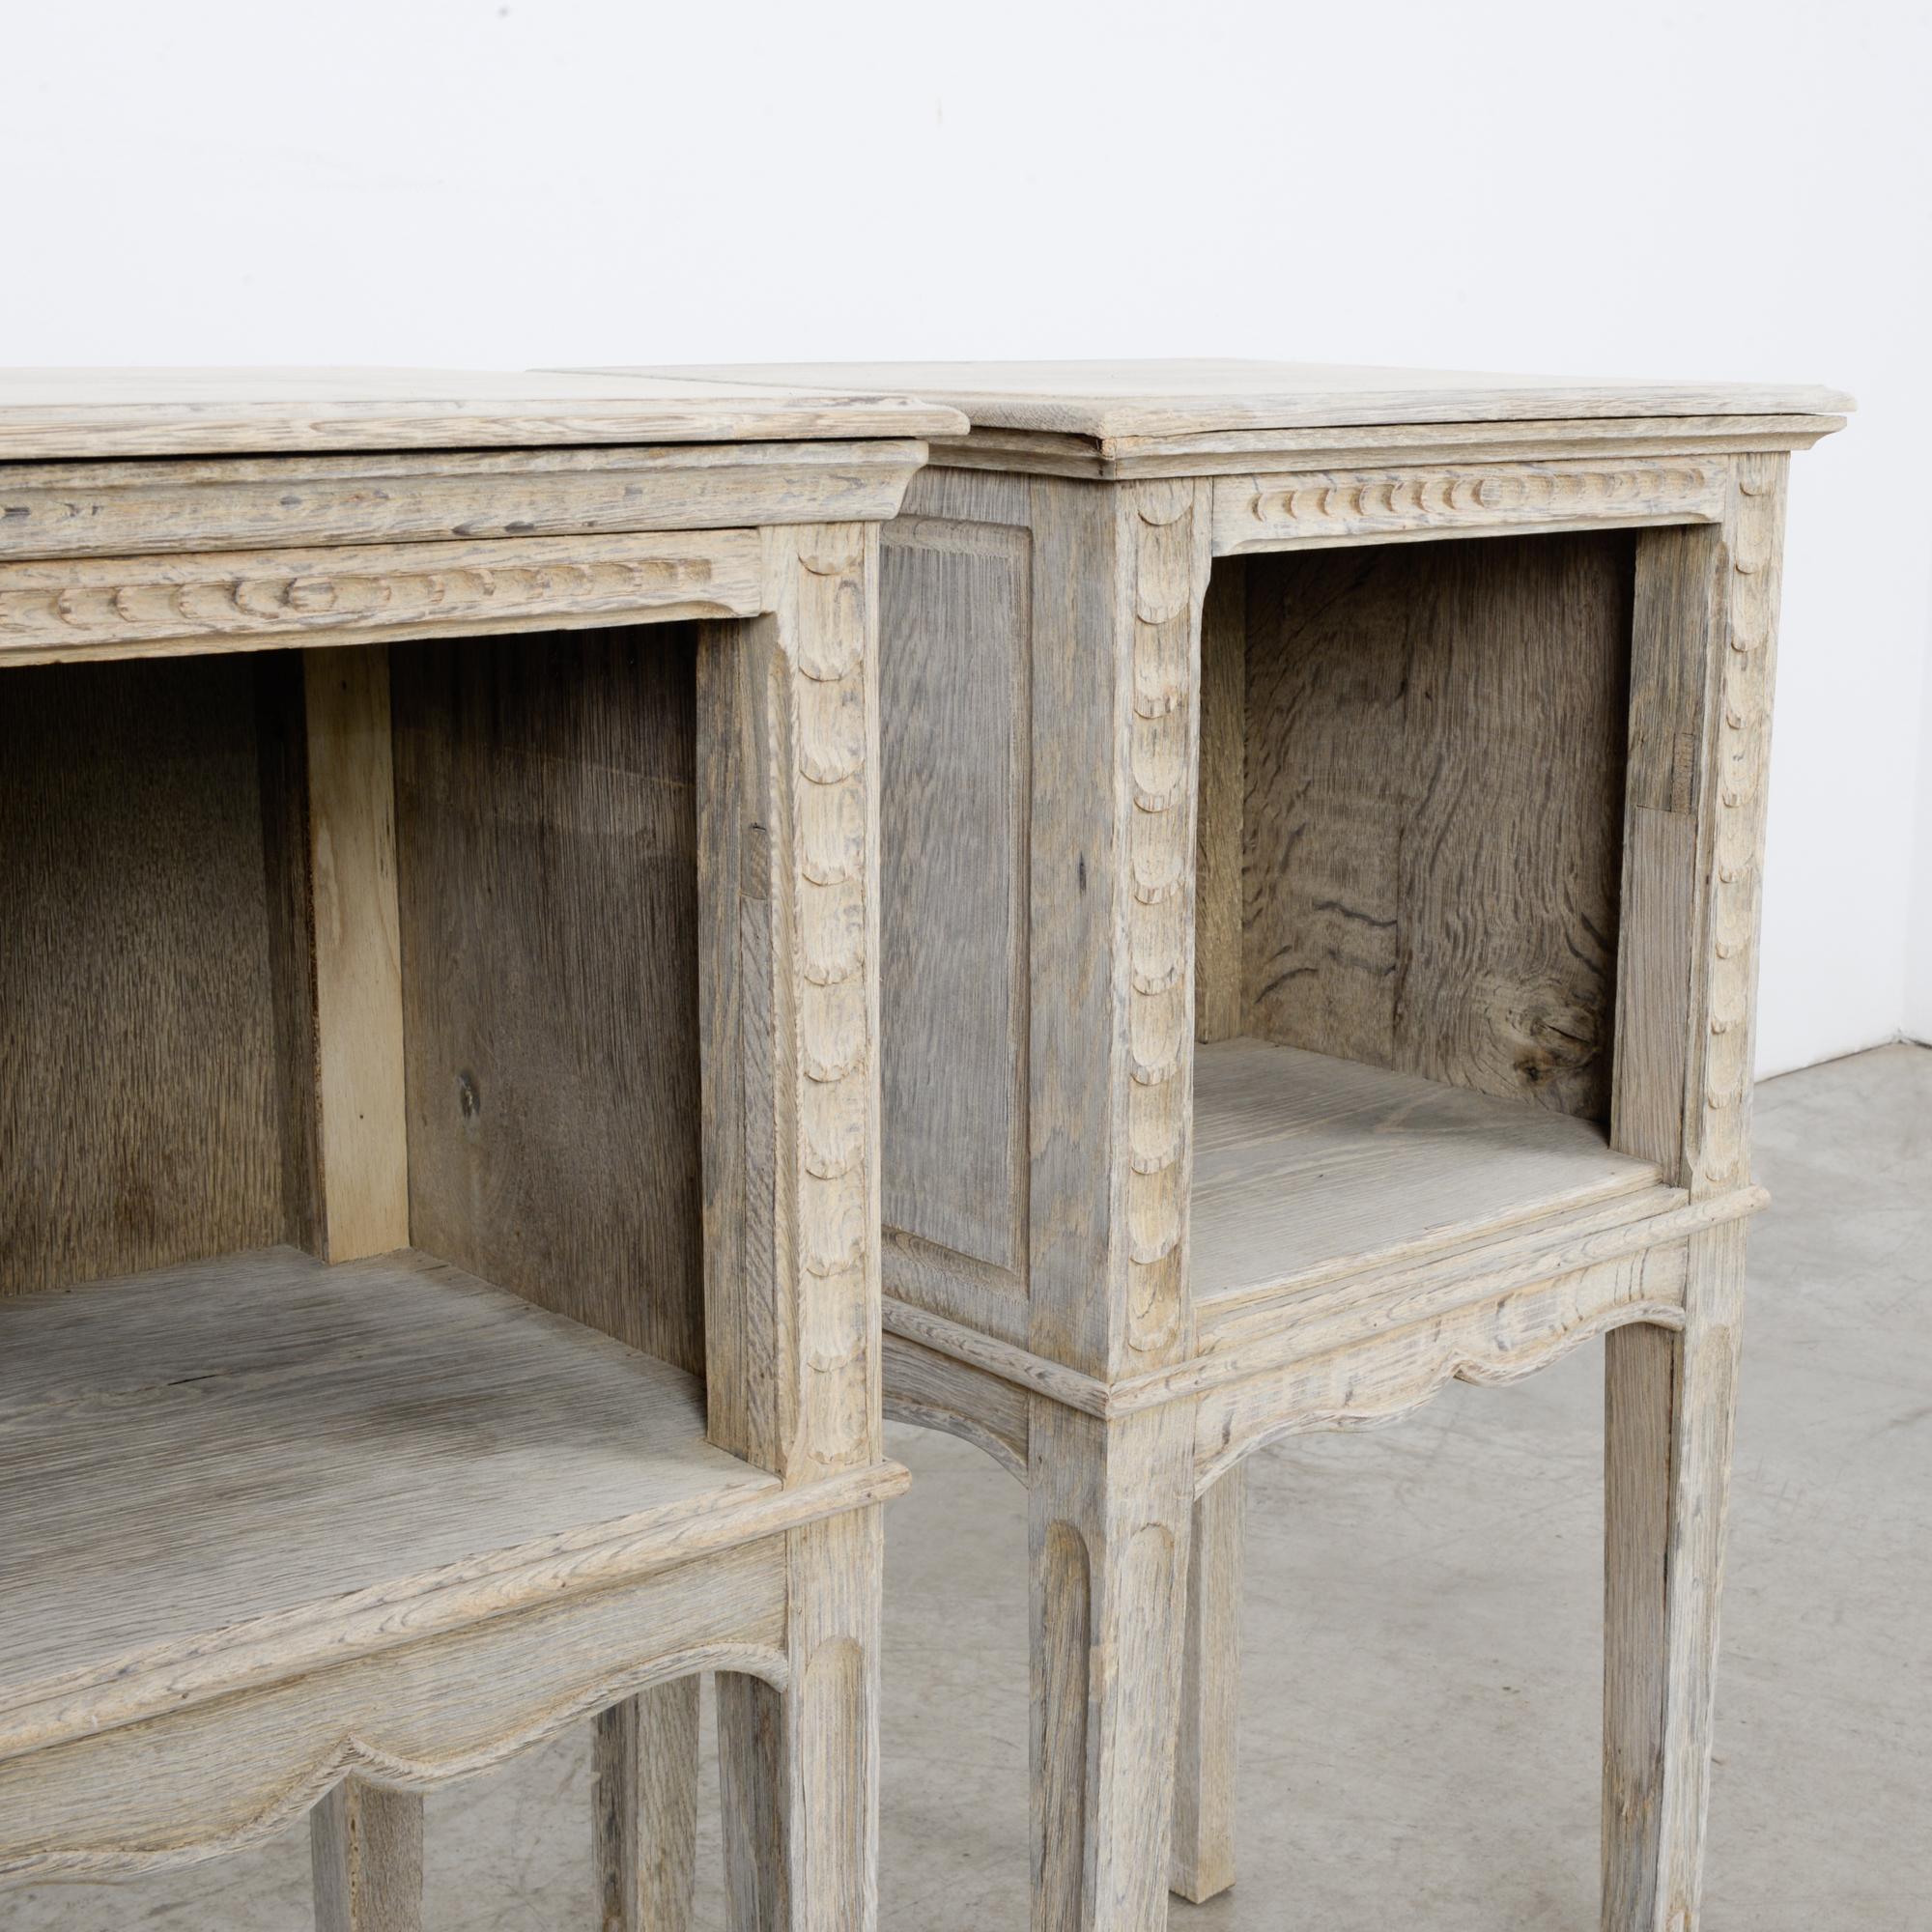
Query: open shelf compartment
point(1411, 841)
point(381, 956)
point(263, 1447)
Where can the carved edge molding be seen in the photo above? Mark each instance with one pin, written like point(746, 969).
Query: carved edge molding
point(1381, 446)
point(1263, 512)
point(1165, 533)
point(372, 1623)
point(1371, 1385)
point(243, 599)
point(1456, 1281)
point(936, 1391)
point(355, 1752)
point(829, 582)
point(138, 508)
point(1732, 836)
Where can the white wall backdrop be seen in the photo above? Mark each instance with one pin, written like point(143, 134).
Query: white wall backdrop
point(1726, 188)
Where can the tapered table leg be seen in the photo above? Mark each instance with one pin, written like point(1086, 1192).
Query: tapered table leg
point(645, 1808)
point(365, 1847)
point(1670, 1402)
point(1110, 1509)
point(1203, 1858)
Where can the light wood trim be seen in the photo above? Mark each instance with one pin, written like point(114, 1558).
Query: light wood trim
point(1219, 1005)
point(362, 1127)
point(1743, 654)
point(1351, 1308)
point(370, 1623)
point(1116, 665)
point(1313, 510)
point(197, 411)
point(197, 1781)
point(128, 509)
point(1674, 623)
point(787, 714)
point(1235, 452)
point(368, 593)
point(1382, 1380)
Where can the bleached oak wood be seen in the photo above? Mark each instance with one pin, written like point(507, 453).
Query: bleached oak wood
point(1742, 651)
point(99, 413)
point(797, 1762)
point(359, 966)
point(1469, 793)
point(185, 503)
point(1170, 398)
point(644, 1809)
point(1670, 1411)
point(957, 769)
point(1218, 1005)
point(209, 1777)
point(1433, 729)
point(107, 779)
point(339, 1546)
point(1202, 1857)
point(1116, 661)
point(787, 807)
point(1490, 1340)
point(368, 593)
point(1278, 451)
point(1107, 1544)
point(1301, 1159)
point(255, 1368)
point(1318, 508)
point(546, 830)
point(940, 1391)
point(366, 1851)
point(1338, 1308)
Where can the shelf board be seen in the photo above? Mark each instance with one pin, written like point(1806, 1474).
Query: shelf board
point(256, 1464)
point(1305, 1164)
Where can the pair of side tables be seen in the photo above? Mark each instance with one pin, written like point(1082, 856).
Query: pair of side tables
point(1230, 894)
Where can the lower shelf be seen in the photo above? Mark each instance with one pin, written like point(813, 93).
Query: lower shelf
point(1303, 1164)
point(262, 1464)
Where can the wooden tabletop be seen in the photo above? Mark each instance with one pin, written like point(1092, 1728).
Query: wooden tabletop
point(1180, 398)
point(60, 413)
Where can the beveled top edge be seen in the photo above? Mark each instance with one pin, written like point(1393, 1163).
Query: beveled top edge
point(1107, 400)
point(58, 415)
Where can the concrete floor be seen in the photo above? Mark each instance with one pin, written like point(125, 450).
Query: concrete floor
point(1421, 1640)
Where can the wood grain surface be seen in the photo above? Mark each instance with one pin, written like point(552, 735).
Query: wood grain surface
point(1436, 749)
point(140, 1116)
point(96, 412)
point(286, 1435)
point(547, 858)
point(1173, 397)
point(1300, 1159)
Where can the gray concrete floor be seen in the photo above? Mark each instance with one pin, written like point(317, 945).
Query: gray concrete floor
point(1421, 1640)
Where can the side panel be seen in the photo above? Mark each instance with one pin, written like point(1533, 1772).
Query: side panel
point(140, 1123)
point(956, 726)
point(547, 859)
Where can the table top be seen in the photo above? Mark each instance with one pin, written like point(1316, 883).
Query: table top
point(1181, 398)
point(87, 413)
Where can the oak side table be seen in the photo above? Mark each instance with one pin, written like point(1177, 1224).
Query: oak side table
point(437, 1117)
point(1322, 810)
